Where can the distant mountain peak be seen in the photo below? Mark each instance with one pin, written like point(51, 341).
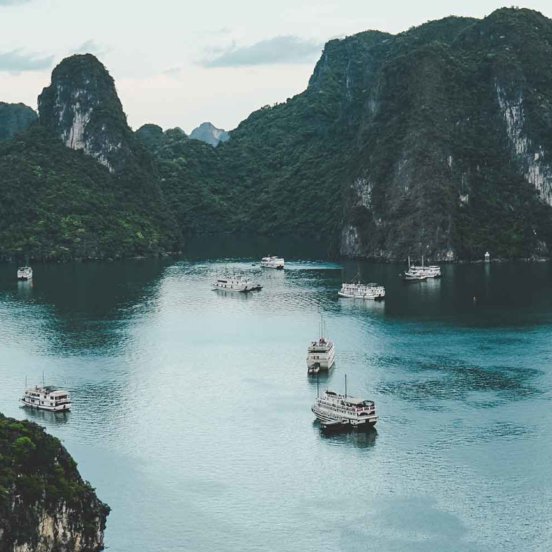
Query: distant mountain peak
point(210, 134)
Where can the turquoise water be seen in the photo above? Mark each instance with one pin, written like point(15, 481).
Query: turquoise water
point(192, 407)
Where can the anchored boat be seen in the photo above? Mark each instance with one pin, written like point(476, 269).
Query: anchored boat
point(362, 291)
point(236, 283)
point(47, 398)
point(24, 273)
point(334, 411)
point(273, 262)
point(320, 353)
point(421, 272)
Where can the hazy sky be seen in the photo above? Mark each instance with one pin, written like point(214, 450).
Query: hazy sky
point(181, 62)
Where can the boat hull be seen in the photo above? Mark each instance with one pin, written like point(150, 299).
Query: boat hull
point(60, 408)
point(363, 297)
point(327, 416)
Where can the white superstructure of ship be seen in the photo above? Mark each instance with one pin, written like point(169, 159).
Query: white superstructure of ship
point(356, 290)
point(320, 353)
point(333, 409)
point(236, 283)
point(24, 273)
point(47, 398)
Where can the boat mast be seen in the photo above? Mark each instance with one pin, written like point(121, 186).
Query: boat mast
point(345, 385)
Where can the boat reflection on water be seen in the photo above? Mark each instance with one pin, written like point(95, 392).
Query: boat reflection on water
point(24, 287)
point(363, 438)
point(244, 296)
point(375, 307)
point(47, 417)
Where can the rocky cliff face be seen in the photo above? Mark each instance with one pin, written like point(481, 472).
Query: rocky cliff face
point(81, 106)
point(208, 133)
point(15, 118)
point(44, 503)
point(453, 148)
point(57, 203)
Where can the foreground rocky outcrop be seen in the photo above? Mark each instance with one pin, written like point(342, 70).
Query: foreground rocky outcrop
point(45, 506)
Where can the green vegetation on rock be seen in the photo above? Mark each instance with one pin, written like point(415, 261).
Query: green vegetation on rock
point(435, 141)
point(39, 481)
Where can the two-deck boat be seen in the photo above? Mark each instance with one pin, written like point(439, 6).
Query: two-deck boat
point(47, 398)
point(320, 353)
point(24, 273)
point(236, 283)
point(273, 262)
point(421, 272)
point(356, 290)
point(334, 410)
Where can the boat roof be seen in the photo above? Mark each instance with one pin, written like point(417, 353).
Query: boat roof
point(350, 400)
point(46, 389)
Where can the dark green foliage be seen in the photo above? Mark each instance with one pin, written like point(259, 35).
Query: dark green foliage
point(37, 477)
point(59, 204)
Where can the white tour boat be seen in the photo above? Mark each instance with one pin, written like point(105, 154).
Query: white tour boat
point(334, 410)
point(320, 353)
point(273, 262)
point(24, 273)
point(47, 398)
point(362, 291)
point(421, 272)
point(236, 283)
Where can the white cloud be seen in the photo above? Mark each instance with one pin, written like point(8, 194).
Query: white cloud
point(279, 49)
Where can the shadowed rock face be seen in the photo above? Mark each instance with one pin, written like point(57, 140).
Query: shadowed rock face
point(15, 118)
point(454, 143)
point(81, 106)
point(45, 504)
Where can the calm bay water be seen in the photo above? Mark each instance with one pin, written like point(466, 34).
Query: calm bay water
point(192, 407)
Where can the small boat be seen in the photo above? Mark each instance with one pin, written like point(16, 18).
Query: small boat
point(362, 291)
point(236, 283)
point(320, 353)
point(431, 271)
point(332, 408)
point(421, 272)
point(47, 398)
point(24, 273)
point(273, 262)
point(414, 273)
